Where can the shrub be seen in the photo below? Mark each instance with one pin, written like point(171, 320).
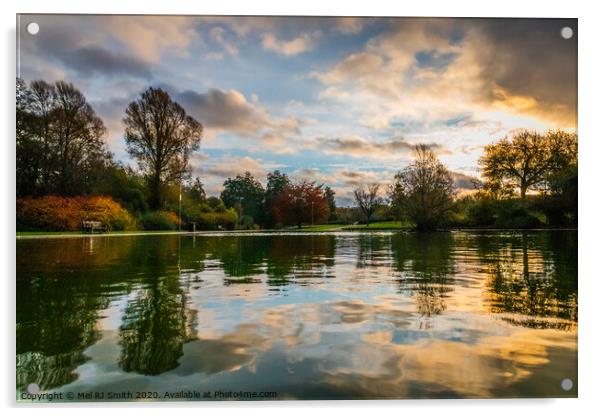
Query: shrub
point(56, 213)
point(513, 213)
point(481, 213)
point(214, 220)
point(107, 211)
point(160, 220)
point(522, 221)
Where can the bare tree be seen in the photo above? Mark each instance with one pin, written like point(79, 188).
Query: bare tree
point(161, 137)
point(367, 200)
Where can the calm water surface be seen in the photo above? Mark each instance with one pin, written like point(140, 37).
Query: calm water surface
point(341, 315)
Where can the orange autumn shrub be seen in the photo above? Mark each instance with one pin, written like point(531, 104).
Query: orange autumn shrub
point(56, 213)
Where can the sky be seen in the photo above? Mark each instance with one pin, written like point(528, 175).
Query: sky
point(338, 100)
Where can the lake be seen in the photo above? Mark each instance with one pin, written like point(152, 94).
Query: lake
point(298, 316)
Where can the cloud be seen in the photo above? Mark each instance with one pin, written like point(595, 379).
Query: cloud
point(436, 69)
point(223, 110)
point(357, 146)
point(231, 166)
point(349, 25)
point(218, 35)
point(83, 56)
point(528, 58)
point(231, 111)
point(295, 46)
point(92, 60)
point(464, 182)
point(109, 45)
point(150, 37)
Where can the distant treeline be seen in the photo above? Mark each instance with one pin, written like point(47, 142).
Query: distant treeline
point(65, 174)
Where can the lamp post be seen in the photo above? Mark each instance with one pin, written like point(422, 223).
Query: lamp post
point(312, 213)
point(180, 207)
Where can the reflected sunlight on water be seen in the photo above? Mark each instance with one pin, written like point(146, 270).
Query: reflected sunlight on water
point(334, 315)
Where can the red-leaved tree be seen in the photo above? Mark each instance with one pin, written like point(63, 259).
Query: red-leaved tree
point(300, 203)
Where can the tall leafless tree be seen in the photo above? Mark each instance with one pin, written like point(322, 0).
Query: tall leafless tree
point(367, 200)
point(161, 137)
point(424, 191)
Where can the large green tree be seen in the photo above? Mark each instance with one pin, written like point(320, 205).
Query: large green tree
point(161, 137)
point(528, 160)
point(245, 193)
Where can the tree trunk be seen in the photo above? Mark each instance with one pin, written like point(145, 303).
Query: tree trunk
point(523, 190)
point(155, 201)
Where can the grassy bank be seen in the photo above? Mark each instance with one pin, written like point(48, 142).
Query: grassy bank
point(376, 226)
point(42, 234)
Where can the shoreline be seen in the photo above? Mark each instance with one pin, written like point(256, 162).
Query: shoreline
point(351, 229)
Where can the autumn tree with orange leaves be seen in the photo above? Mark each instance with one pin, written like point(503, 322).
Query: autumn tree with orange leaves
point(300, 203)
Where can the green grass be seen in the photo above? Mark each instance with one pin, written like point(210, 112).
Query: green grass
point(26, 233)
point(318, 227)
point(380, 225)
point(375, 226)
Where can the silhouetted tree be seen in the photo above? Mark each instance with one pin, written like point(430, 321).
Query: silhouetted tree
point(161, 137)
point(424, 191)
point(367, 200)
point(60, 146)
point(528, 159)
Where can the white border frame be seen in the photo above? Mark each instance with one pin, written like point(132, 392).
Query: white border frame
point(590, 148)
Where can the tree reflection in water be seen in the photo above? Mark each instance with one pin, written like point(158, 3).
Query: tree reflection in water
point(533, 276)
point(285, 258)
point(57, 307)
point(311, 295)
point(425, 264)
point(157, 322)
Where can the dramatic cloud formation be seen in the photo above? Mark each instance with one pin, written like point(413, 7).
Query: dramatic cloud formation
point(428, 69)
point(338, 100)
point(231, 111)
point(60, 47)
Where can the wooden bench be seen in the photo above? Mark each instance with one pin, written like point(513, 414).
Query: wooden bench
point(91, 226)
